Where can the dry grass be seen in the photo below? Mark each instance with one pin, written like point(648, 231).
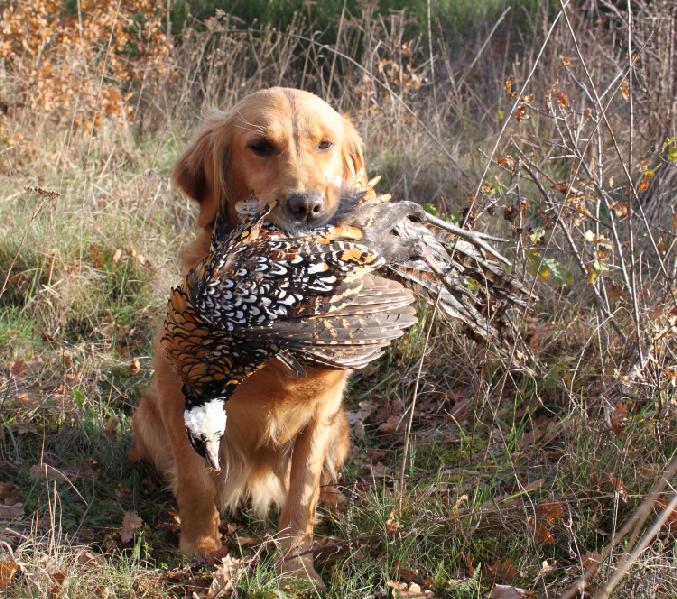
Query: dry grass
point(509, 480)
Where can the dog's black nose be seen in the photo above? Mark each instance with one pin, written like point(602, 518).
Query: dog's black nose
point(305, 207)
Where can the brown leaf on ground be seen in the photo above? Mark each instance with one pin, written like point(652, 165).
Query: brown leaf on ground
point(11, 512)
point(389, 426)
point(9, 493)
point(7, 571)
point(550, 511)
point(403, 590)
point(591, 562)
point(541, 532)
point(619, 417)
point(245, 540)
point(225, 577)
point(58, 578)
point(135, 366)
point(130, 522)
point(393, 522)
point(405, 574)
point(503, 591)
point(502, 571)
point(11, 506)
point(16, 368)
point(87, 557)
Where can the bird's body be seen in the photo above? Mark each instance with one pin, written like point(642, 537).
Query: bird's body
point(334, 296)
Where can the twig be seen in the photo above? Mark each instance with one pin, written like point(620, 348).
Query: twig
point(635, 522)
point(412, 407)
point(629, 560)
point(513, 108)
point(46, 195)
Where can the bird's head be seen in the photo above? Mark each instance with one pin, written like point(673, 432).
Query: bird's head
point(205, 425)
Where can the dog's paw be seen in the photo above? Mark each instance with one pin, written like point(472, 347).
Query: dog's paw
point(301, 568)
point(207, 547)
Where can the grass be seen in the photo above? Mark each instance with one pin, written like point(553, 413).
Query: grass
point(516, 481)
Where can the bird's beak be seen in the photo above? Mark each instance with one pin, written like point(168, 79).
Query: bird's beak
point(212, 455)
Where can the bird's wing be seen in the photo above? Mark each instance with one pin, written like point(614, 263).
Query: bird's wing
point(277, 278)
point(349, 337)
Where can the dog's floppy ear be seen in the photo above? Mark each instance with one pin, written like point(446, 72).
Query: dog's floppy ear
point(201, 170)
point(353, 159)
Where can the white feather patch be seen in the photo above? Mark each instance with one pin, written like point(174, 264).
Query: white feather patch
point(207, 421)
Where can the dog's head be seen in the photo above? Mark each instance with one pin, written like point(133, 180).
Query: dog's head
point(279, 146)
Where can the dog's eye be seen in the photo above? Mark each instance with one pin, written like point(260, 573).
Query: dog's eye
point(262, 147)
point(325, 144)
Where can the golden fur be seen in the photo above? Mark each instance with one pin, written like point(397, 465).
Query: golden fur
point(285, 436)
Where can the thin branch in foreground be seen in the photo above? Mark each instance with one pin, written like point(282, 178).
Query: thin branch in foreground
point(635, 522)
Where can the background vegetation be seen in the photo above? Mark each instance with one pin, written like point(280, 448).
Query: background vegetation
point(551, 124)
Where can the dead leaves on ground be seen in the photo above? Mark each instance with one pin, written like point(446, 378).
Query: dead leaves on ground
point(225, 577)
point(11, 506)
point(409, 590)
point(130, 522)
point(503, 591)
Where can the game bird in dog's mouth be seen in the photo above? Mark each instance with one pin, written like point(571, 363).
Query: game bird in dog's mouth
point(334, 296)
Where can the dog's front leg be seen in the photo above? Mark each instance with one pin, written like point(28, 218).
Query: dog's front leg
point(194, 484)
point(297, 519)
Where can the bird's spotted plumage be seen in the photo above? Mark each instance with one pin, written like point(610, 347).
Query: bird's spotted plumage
point(335, 296)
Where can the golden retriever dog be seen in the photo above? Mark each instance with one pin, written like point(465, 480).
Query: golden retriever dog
point(286, 436)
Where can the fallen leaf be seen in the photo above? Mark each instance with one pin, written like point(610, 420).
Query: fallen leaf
point(393, 522)
point(503, 591)
point(625, 89)
point(87, 557)
point(389, 426)
point(11, 506)
point(130, 522)
point(9, 493)
point(504, 571)
point(542, 533)
point(11, 512)
point(16, 368)
point(117, 255)
point(7, 571)
point(135, 366)
point(619, 417)
point(245, 540)
point(407, 574)
point(225, 577)
point(402, 590)
point(591, 561)
point(58, 578)
point(550, 511)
